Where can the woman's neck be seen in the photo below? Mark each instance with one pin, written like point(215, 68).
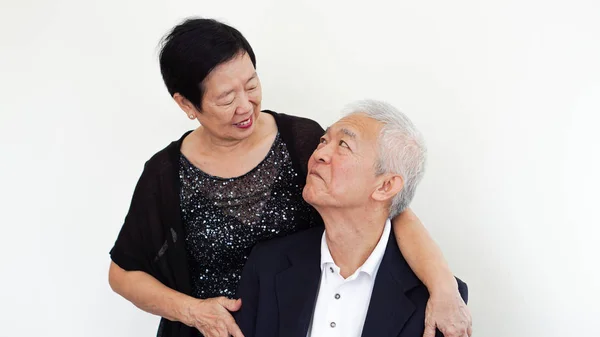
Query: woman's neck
point(229, 158)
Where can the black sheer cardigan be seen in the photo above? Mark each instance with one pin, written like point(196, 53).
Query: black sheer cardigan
point(152, 237)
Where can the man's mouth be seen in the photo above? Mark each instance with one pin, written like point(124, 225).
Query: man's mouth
point(313, 172)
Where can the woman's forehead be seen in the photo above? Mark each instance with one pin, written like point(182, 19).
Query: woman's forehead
point(239, 69)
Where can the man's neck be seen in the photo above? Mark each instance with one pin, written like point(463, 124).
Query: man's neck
point(352, 236)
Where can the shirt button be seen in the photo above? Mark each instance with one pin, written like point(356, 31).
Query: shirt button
point(331, 268)
point(337, 296)
point(332, 324)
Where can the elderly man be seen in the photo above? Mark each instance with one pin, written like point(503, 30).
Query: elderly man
point(350, 279)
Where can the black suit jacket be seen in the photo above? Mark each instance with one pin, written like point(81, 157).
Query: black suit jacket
point(280, 284)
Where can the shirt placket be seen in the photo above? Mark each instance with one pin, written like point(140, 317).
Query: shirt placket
point(334, 320)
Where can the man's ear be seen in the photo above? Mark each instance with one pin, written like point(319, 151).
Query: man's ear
point(185, 105)
point(389, 186)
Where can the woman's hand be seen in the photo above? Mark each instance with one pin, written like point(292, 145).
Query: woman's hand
point(212, 318)
point(448, 312)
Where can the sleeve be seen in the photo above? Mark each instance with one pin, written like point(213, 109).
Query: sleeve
point(131, 250)
point(302, 137)
point(307, 134)
point(248, 291)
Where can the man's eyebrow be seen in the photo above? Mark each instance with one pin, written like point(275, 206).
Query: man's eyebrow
point(348, 133)
point(345, 131)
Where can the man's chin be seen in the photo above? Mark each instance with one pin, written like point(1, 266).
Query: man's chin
point(305, 194)
point(309, 195)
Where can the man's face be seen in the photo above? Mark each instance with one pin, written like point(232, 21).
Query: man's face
point(341, 171)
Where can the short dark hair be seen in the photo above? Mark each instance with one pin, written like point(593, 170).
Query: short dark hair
point(193, 49)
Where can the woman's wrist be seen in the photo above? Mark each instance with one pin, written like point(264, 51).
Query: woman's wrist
point(183, 312)
point(443, 285)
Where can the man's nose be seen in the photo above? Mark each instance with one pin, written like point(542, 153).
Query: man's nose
point(323, 154)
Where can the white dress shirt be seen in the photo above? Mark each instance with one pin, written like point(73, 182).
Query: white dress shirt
point(342, 304)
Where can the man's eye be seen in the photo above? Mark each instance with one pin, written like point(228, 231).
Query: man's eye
point(344, 144)
point(322, 140)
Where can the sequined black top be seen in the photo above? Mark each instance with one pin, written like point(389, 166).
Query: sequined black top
point(153, 236)
point(224, 218)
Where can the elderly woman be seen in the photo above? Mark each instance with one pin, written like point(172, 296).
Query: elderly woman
point(205, 200)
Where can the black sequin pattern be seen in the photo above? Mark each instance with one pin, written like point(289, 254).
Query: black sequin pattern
point(225, 218)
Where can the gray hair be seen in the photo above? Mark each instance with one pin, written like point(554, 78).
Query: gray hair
point(402, 149)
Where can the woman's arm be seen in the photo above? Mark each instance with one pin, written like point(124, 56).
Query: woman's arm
point(446, 309)
point(210, 316)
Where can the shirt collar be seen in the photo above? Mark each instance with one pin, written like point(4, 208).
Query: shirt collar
point(371, 265)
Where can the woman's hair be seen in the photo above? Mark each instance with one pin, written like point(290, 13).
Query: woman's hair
point(193, 49)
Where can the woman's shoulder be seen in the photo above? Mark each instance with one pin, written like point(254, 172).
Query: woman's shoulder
point(165, 159)
point(300, 134)
point(289, 122)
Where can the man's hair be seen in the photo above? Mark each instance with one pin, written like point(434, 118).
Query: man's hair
point(401, 148)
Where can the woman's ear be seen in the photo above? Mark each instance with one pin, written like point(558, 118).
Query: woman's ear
point(389, 186)
point(185, 105)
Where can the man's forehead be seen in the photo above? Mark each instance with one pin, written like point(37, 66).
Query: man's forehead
point(355, 126)
point(338, 128)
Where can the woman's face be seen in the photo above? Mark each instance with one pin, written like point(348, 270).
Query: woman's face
point(231, 102)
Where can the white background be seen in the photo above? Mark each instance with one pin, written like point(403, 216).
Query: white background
point(507, 94)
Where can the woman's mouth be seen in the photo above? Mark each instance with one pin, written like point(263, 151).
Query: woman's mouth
point(244, 124)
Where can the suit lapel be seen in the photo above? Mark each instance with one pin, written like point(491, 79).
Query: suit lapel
point(390, 309)
point(297, 287)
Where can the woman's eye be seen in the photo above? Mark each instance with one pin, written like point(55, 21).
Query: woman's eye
point(250, 89)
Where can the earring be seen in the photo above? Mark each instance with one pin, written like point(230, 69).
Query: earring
point(191, 116)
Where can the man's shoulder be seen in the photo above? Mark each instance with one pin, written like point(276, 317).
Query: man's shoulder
point(463, 289)
point(275, 249)
point(394, 261)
